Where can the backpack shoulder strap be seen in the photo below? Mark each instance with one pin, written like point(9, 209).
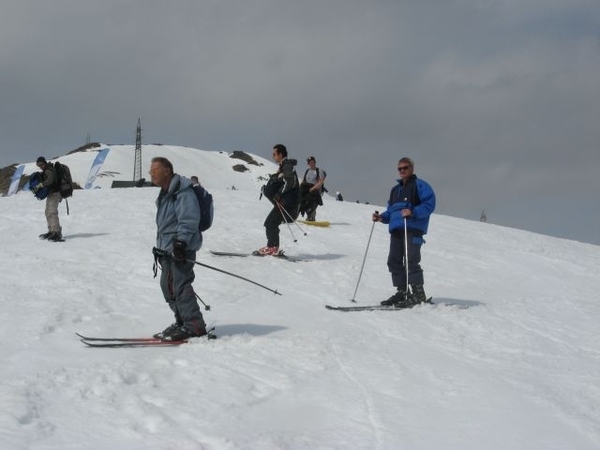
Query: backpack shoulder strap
point(178, 189)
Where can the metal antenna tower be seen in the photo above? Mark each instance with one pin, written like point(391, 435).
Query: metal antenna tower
point(137, 164)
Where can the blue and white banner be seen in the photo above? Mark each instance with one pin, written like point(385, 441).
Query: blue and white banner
point(96, 167)
point(14, 181)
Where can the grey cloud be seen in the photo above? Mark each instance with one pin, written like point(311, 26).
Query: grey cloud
point(489, 98)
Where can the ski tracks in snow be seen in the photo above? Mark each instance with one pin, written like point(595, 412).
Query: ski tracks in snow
point(369, 404)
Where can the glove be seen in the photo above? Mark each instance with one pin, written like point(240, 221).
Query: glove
point(159, 253)
point(37, 187)
point(179, 250)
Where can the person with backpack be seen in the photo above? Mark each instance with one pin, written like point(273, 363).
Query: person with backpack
point(311, 189)
point(49, 180)
point(178, 238)
point(282, 191)
point(411, 203)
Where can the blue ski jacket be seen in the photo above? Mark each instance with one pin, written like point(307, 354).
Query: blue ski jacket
point(178, 216)
point(418, 196)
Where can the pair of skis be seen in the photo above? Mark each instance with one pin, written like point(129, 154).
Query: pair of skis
point(120, 342)
point(280, 255)
point(373, 307)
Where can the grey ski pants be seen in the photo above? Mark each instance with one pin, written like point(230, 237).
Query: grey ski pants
point(176, 281)
point(52, 201)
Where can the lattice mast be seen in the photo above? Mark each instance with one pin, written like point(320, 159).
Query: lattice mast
point(137, 164)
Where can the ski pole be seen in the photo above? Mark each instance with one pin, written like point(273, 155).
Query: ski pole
point(160, 252)
point(206, 307)
point(363, 261)
point(295, 222)
point(281, 209)
point(408, 292)
point(274, 291)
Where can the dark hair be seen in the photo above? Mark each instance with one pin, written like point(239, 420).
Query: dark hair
point(408, 161)
point(41, 159)
point(280, 148)
point(311, 158)
point(163, 162)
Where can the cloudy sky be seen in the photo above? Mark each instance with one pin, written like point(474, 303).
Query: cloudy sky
point(498, 102)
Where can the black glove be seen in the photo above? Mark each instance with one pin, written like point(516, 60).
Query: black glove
point(179, 250)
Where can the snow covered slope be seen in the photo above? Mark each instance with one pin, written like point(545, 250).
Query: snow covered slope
point(508, 358)
point(213, 168)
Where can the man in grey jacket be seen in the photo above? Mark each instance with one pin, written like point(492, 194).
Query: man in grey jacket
point(178, 237)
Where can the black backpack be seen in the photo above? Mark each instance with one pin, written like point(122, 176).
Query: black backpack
point(64, 182)
point(207, 208)
point(272, 187)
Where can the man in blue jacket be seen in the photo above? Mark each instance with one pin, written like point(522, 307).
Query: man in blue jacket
point(411, 203)
point(177, 235)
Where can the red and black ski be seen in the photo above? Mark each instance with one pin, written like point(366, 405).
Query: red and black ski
point(129, 344)
point(107, 342)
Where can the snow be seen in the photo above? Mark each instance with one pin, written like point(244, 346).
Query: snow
point(507, 358)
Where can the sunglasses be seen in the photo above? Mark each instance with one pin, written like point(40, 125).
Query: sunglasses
point(401, 168)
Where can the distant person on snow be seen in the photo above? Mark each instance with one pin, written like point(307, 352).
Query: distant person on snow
point(50, 181)
point(411, 203)
point(311, 189)
point(338, 196)
point(284, 198)
point(177, 235)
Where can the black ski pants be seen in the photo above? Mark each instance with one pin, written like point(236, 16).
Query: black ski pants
point(272, 222)
point(276, 218)
point(396, 263)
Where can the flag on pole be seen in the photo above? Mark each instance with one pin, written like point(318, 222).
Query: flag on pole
point(96, 167)
point(14, 181)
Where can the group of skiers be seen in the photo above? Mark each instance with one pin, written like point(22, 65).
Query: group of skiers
point(290, 197)
point(411, 202)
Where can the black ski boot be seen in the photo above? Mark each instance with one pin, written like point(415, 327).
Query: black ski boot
point(418, 294)
point(182, 333)
point(167, 331)
point(55, 237)
point(396, 299)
